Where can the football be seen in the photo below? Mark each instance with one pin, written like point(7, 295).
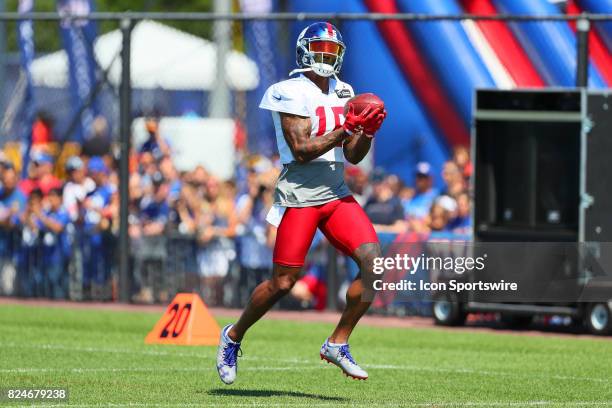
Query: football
point(361, 101)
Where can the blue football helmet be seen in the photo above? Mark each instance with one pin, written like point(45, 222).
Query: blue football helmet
point(320, 49)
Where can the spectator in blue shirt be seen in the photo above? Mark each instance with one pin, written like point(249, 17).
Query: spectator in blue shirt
point(383, 208)
point(425, 194)
point(154, 208)
point(98, 201)
point(149, 221)
point(100, 208)
point(254, 243)
point(154, 144)
point(12, 200)
point(462, 223)
point(29, 265)
point(167, 169)
point(12, 204)
point(54, 220)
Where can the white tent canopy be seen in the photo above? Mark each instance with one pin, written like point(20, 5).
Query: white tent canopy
point(162, 57)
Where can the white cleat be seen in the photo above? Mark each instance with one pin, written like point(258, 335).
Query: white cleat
point(227, 357)
point(340, 355)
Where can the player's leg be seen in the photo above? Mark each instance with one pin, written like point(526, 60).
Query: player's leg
point(265, 295)
point(293, 239)
point(359, 295)
point(349, 229)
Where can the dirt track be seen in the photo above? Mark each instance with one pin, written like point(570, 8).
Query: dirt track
point(310, 316)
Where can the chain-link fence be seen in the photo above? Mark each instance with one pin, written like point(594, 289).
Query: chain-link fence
point(164, 183)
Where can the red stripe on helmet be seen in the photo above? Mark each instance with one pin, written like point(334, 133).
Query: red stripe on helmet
point(330, 30)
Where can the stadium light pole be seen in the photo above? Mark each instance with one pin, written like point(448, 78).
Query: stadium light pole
point(583, 27)
point(125, 120)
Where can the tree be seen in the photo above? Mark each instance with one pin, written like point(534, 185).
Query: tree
point(46, 33)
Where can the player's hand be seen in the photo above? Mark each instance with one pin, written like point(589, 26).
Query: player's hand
point(375, 121)
point(353, 121)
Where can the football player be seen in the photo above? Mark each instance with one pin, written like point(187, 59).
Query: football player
point(314, 137)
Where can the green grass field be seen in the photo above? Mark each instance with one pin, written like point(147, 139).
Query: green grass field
point(101, 358)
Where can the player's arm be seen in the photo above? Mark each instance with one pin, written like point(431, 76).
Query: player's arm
point(356, 147)
point(296, 130)
point(358, 144)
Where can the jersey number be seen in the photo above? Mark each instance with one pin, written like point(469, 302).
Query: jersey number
point(320, 112)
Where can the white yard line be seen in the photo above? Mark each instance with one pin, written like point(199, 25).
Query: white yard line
point(484, 372)
point(140, 369)
point(303, 364)
point(113, 350)
point(345, 404)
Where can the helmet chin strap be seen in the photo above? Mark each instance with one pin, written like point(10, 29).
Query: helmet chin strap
point(300, 70)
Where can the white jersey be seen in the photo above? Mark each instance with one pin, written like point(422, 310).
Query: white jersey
point(320, 180)
point(300, 96)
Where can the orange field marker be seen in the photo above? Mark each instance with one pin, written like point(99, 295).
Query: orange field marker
point(187, 321)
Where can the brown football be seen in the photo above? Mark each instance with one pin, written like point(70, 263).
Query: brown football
point(361, 101)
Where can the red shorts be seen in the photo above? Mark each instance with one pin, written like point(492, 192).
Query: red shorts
point(342, 221)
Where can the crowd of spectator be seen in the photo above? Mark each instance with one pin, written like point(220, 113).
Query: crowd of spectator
point(63, 215)
point(397, 207)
